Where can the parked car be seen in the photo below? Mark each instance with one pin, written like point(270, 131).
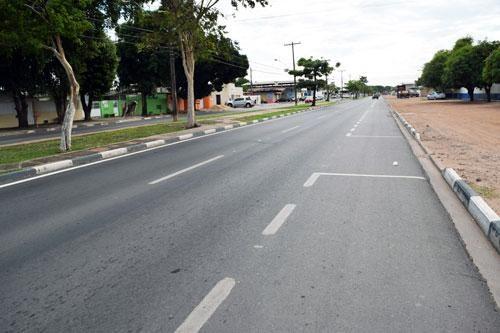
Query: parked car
point(284, 99)
point(376, 96)
point(242, 102)
point(436, 95)
point(308, 99)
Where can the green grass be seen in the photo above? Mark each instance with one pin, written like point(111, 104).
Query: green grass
point(484, 191)
point(24, 152)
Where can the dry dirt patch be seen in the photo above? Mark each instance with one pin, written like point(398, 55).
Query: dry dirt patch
point(464, 136)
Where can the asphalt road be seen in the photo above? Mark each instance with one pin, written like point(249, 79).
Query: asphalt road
point(15, 136)
point(285, 226)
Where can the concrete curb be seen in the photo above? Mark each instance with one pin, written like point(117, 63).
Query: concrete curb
point(82, 160)
point(485, 217)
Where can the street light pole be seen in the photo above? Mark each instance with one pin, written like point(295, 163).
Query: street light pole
point(342, 83)
point(292, 44)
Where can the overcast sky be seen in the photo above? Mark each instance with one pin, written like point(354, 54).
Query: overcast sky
point(386, 40)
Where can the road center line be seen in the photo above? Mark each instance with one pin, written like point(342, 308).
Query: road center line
point(185, 170)
point(314, 177)
point(278, 221)
point(290, 129)
point(202, 313)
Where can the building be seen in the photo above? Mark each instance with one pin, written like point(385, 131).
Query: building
point(479, 94)
point(270, 92)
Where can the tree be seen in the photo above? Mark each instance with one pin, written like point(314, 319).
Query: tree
point(463, 68)
point(432, 74)
point(482, 51)
point(491, 69)
point(192, 21)
point(216, 68)
point(141, 67)
point(354, 87)
point(312, 71)
point(97, 72)
point(46, 24)
point(20, 75)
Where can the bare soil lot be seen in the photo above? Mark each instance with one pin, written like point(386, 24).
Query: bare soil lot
point(464, 136)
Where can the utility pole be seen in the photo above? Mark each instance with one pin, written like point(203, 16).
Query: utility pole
point(292, 44)
point(173, 85)
point(342, 83)
point(327, 88)
point(251, 80)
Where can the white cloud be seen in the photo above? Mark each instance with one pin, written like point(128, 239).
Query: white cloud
point(388, 41)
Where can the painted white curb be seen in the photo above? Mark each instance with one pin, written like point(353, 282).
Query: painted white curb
point(451, 176)
point(49, 167)
point(482, 213)
point(113, 153)
point(156, 143)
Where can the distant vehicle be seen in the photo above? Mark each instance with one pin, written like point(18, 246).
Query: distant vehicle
point(376, 96)
point(436, 95)
point(308, 99)
point(242, 102)
point(284, 99)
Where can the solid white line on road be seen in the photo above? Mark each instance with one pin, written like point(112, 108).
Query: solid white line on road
point(278, 221)
point(314, 177)
point(202, 313)
point(290, 129)
point(395, 163)
point(185, 170)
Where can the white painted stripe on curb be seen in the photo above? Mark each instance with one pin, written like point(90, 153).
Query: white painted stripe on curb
point(243, 124)
point(255, 121)
point(202, 313)
point(113, 153)
point(348, 134)
point(49, 167)
point(264, 119)
point(278, 220)
point(185, 136)
point(30, 132)
point(185, 170)
point(228, 127)
point(451, 176)
point(314, 177)
point(155, 143)
point(51, 129)
point(482, 213)
point(290, 129)
point(210, 131)
point(353, 129)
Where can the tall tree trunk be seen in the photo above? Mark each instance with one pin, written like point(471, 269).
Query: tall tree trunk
point(188, 62)
point(74, 92)
point(488, 93)
point(87, 107)
point(470, 91)
point(21, 108)
point(144, 103)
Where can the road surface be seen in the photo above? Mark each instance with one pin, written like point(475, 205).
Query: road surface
point(319, 222)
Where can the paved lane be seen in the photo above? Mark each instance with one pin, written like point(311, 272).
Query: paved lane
point(100, 248)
